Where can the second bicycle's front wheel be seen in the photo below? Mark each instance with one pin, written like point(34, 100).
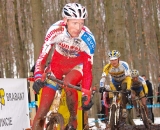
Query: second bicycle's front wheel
point(144, 117)
point(55, 120)
point(113, 117)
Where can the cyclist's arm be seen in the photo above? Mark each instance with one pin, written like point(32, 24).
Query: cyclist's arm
point(87, 54)
point(104, 74)
point(127, 73)
point(106, 69)
point(145, 88)
point(87, 71)
point(144, 84)
point(41, 61)
point(128, 80)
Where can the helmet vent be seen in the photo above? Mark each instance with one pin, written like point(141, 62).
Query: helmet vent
point(72, 9)
point(75, 15)
point(79, 12)
point(76, 4)
point(66, 13)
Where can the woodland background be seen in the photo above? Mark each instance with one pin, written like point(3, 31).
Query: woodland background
point(130, 26)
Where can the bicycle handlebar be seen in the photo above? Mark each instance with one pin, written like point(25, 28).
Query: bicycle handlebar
point(62, 83)
point(138, 98)
point(114, 91)
point(85, 91)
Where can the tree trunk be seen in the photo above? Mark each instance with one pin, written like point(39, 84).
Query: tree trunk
point(119, 27)
point(37, 37)
point(157, 28)
point(109, 11)
point(132, 33)
point(20, 46)
point(143, 67)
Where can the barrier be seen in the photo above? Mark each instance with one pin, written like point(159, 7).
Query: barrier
point(32, 98)
point(14, 112)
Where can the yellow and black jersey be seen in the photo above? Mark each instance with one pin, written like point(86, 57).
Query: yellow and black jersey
point(118, 73)
point(139, 85)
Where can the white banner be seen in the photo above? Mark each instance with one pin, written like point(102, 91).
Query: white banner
point(14, 112)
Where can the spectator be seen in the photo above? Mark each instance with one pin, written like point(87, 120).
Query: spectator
point(158, 98)
point(150, 95)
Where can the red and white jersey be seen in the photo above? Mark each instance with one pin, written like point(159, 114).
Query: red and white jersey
point(67, 47)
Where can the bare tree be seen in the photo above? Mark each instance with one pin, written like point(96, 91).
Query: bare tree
point(157, 28)
point(37, 36)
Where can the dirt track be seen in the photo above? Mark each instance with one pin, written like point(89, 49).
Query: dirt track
point(140, 127)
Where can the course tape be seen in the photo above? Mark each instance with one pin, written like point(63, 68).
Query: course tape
point(33, 104)
point(148, 106)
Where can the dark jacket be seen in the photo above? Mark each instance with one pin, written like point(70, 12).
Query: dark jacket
point(150, 89)
point(158, 98)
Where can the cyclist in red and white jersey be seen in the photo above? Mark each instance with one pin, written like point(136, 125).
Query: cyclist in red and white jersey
point(74, 47)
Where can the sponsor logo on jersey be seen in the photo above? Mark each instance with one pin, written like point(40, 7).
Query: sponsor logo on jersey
point(89, 41)
point(54, 33)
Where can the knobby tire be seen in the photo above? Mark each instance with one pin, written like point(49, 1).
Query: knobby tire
point(112, 120)
point(120, 120)
point(55, 119)
point(144, 117)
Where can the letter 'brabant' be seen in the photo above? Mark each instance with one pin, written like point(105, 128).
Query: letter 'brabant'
point(15, 96)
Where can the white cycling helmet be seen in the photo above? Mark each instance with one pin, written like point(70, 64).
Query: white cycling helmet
point(74, 11)
point(114, 54)
point(134, 73)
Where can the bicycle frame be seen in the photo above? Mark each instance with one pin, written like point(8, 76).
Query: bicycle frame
point(142, 111)
point(85, 91)
point(55, 117)
point(115, 110)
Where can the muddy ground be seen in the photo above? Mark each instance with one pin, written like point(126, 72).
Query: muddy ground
point(140, 127)
point(130, 127)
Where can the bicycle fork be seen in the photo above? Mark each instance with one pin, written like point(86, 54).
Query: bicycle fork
point(116, 114)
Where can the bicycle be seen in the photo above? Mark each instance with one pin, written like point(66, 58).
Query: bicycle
point(115, 114)
point(142, 111)
point(55, 118)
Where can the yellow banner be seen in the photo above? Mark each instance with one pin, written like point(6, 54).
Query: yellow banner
point(63, 109)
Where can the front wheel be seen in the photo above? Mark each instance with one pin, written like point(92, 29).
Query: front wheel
point(144, 117)
point(55, 120)
point(112, 119)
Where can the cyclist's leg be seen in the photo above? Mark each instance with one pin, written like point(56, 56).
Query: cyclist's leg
point(133, 95)
point(113, 88)
point(47, 96)
point(73, 77)
point(126, 84)
point(143, 100)
point(45, 103)
point(124, 98)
